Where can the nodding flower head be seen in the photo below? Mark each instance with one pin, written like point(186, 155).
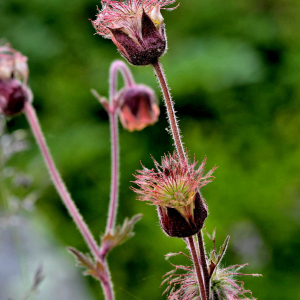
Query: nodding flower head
point(13, 81)
point(136, 27)
point(139, 107)
point(13, 64)
point(174, 187)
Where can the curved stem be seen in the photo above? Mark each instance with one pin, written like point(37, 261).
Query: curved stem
point(170, 108)
point(204, 264)
point(197, 267)
point(57, 180)
point(119, 66)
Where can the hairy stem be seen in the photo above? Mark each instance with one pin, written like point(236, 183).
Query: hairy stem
point(204, 264)
point(57, 180)
point(114, 189)
point(170, 108)
point(119, 66)
point(106, 283)
point(197, 267)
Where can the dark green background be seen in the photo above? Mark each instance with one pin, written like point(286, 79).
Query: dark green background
point(234, 70)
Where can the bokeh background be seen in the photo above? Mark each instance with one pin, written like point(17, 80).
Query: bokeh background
point(234, 70)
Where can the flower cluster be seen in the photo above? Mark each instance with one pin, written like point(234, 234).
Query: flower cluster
point(136, 28)
point(174, 187)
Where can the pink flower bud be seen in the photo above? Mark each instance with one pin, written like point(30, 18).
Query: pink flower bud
point(13, 64)
point(136, 27)
point(13, 96)
point(13, 81)
point(138, 108)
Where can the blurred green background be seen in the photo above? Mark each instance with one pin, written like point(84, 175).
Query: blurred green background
point(234, 70)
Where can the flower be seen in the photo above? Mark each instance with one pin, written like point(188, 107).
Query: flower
point(13, 95)
point(13, 81)
point(138, 107)
point(13, 64)
point(136, 27)
point(174, 187)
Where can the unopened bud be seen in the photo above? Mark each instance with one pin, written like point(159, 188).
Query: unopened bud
point(138, 108)
point(13, 96)
point(14, 92)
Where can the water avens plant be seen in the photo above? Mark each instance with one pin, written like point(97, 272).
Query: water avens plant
point(173, 185)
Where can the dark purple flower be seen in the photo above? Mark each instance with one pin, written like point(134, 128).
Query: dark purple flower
point(13, 96)
point(136, 27)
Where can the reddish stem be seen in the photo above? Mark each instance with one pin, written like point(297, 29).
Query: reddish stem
point(57, 180)
point(203, 264)
point(117, 66)
point(170, 109)
point(114, 189)
point(197, 267)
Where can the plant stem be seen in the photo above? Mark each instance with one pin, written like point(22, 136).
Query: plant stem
point(170, 108)
point(114, 190)
point(180, 150)
point(106, 282)
point(204, 264)
point(57, 180)
point(117, 66)
point(197, 267)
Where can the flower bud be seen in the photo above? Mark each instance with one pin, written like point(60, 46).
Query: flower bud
point(174, 187)
point(138, 108)
point(14, 92)
point(13, 96)
point(136, 27)
point(12, 64)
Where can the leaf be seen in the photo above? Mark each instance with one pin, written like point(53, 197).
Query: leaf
point(120, 235)
point(223, 249)
point(94, 269)
point(216, 259)
point(101, 99)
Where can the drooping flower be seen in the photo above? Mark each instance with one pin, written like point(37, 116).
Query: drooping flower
point(139, 107)
point(13, 64)
point(136, 27)
point(174, 187)
point(13, 81)
point(224, 285)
